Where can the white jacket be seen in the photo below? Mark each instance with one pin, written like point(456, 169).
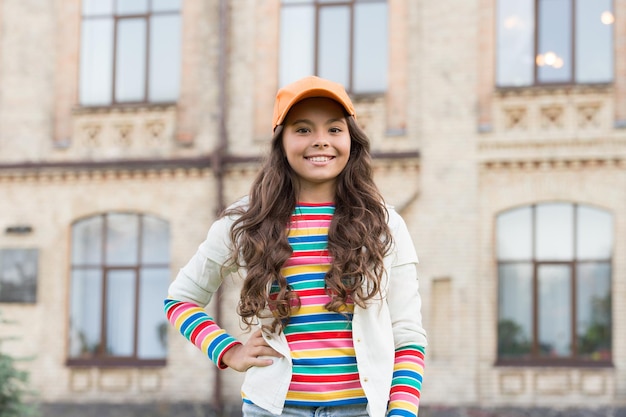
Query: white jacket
point(390, 321)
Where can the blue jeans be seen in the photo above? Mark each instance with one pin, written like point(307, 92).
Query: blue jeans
point(359, 410)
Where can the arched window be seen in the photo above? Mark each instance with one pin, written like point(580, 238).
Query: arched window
point(119, 276)
point(554, 284)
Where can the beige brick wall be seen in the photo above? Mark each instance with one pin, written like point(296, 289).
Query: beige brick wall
point(27, 54)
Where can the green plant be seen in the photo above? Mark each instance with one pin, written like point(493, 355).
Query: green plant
point(595, 342)
point(13, 386)
point(511, 339)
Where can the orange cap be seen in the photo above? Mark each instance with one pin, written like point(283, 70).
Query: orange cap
point(308, 87)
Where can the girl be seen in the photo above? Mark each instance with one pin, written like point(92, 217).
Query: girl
point(330, 274)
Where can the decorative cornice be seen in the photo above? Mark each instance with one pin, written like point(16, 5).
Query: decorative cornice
point(553, 89)
point(148, 168)
point(123, 108)
point(128, 164)
point(553, 164)
point(551, 143)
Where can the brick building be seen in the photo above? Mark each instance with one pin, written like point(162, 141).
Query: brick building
point(498, 134)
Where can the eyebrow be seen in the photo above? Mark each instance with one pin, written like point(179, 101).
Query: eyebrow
point(329, 121)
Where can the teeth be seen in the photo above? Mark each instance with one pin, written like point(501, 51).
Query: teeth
point(319, 158)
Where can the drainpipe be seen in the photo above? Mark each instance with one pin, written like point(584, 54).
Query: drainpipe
point(218, 165)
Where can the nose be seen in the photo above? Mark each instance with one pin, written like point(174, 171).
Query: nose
point(320, 142)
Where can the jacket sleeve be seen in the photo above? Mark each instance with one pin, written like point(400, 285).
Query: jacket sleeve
point(403, 297)
point(201, 277)
point(409, 336)
point(193, 289)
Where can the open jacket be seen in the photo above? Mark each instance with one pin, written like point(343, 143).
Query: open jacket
point(390, 321)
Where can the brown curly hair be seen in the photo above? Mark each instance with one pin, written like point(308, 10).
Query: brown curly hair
point(358, 237)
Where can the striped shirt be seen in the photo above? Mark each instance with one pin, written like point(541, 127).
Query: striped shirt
point(324, 363)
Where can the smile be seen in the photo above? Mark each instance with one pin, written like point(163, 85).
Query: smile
point(319, 158)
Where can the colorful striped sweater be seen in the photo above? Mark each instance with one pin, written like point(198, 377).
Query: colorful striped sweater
point(324, 363)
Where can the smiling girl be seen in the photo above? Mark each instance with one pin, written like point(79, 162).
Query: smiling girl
point(330, 282)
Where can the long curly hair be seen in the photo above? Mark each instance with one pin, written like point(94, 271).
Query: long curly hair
point(358, 236)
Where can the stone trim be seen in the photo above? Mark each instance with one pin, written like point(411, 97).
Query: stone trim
point(619, 48)
point(553, 164)
point(189, 409)
point(165, 168)
point(397, 93)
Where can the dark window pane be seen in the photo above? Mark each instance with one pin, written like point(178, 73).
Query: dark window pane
point(514, 310)
point(87, 241)
point(594, 235)
point(593, 303)
point(126, 7)
point(370, 48)
point(18, 275)
point(155, 241)
point(555, 310)
point(120, 302)
point(555, 232)
point(152, 337)
point(515, 37)
point(165, 5)
point(85, 313)
point(554, 56)
point(122, 239)
point(514, 234)
point(334, 44)
point(594, 41)
point(96, 62)
point(297, 43)
point(130, 68)
point(164, 58)
point(97, 7)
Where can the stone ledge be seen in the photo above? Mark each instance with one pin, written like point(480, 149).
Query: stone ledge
point(129, 410)
point(207, 410)
point(521, 412)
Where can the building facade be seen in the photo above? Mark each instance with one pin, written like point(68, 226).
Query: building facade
point(498, 132)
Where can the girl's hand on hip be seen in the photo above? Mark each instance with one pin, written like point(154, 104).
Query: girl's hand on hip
point(242, 357)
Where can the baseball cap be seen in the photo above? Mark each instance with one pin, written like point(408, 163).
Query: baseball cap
point(308, 87)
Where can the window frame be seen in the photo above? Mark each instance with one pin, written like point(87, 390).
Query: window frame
point(536, 83)
point(100, 358)
point(116, 19)
point(535, 358)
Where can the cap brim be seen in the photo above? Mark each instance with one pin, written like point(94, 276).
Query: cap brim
point(318, 92)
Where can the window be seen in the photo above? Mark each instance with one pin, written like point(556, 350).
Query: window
point(130, 51)
point(119, 278)
point(18, 275)
point(342, 40)
point(554, 42)
point(554, 284)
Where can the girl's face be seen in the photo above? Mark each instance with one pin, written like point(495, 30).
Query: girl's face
point(316, 141)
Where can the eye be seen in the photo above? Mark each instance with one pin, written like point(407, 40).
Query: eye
point(302, 130)
point(335, 130)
